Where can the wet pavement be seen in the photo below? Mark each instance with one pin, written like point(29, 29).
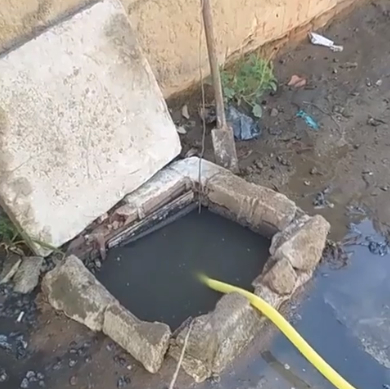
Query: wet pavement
point(344, 315)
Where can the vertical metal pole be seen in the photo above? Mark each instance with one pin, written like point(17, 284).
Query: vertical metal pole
point(210, 40)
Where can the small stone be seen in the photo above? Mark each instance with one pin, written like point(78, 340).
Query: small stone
point(10, 267)
point(315, 172)
point(181, 130)
point(3, 375)
point(349, 65)
point(274, 131)
point(379, 83)
point(57, 365)
point(72, 363)
point(215, 379)
point(120, 361)
point(40, 376)
point(123, 381)
point(24, 384)
point(88, 359)
point(30, 374)
point(73, 381)
point(274, 112)
point(42, 384)
point(27, 276)
point(184, 112)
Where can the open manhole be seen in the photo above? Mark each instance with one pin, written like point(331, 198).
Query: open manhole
point(148, 299)
point(155, 276)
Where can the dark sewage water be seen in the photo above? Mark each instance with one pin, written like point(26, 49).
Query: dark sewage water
point(154, 277)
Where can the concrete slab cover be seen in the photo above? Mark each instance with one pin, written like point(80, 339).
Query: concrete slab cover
point(82, 124)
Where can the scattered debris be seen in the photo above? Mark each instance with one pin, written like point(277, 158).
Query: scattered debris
point(14, 303)
point(355, 210)
point(283, 161)
point(3, 375)
point(274, 112)
point(320, 200)
point(181, 130)
point(244, 127)
point(73, 381)
point(308, 119)
point(315, 172)
point(274, 131)
point(123, 381)
point(296, 81)
point(208, 114)
point(317, 39)
point(377, 248)
point(184, 112)
point(14, 343)
point(349, 65)
point(335, 253)
point(375, 122)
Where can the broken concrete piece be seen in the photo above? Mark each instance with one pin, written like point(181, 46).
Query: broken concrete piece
point(82, 124)
point(146, 342)
point(71, 288)
point(27, 276)
point(281, 278)
point(217, 338)
point(157, 191)
point(254, 204)
point(189, 168)
point(10, 267)
point(305, 243)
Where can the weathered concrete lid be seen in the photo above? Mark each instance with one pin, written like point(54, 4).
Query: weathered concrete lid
point(82, 124)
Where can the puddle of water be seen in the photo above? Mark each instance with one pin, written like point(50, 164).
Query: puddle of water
point(345, 316)
point(154, 277)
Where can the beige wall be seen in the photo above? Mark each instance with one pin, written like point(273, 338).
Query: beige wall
point(169, 30)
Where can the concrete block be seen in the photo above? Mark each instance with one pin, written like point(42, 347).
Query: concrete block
point(27, 276)
point(146, 342)
point(281, 278)
point(255, 204)
point(10, 267)
point(302, 243)
point(217, 338)
point(157, 191)
point(72, 289)
point(83, 123)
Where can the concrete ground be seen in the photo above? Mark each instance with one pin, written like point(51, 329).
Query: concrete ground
point(344, 313)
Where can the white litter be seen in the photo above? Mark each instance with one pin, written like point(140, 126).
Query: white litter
point(320, 40)
point(181, 130)
point(20, 317)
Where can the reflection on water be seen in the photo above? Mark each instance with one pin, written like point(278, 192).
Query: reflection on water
point(346, 319)
point(154, 276)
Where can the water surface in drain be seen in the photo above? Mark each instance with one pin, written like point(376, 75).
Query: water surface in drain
point(154, 276)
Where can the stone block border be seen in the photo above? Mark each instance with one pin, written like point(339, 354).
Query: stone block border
point(297, 242)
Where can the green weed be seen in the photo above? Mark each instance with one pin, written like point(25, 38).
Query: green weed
point(249, 81)
point(12, 240)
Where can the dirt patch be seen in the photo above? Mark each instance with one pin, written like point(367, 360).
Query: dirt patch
point(347, 94)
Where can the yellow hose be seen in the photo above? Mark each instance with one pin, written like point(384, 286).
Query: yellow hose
point(328, 372)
